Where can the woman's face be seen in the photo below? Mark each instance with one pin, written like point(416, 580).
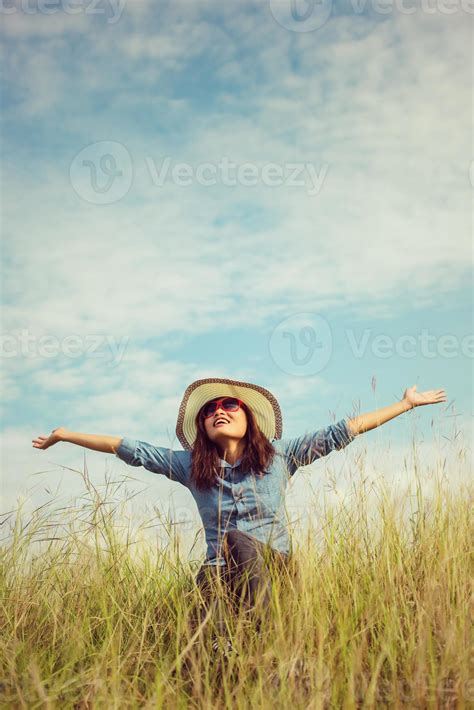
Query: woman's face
point(234, 426)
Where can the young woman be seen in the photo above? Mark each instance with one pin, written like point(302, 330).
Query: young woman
point(236, 465)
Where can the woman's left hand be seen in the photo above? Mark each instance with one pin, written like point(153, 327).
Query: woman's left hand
point(415, 399)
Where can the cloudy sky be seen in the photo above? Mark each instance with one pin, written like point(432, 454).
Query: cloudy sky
point(263, 191)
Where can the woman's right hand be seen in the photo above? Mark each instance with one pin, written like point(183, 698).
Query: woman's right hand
point(44, 442)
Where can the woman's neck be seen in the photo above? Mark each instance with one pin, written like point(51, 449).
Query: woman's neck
point(231, 451)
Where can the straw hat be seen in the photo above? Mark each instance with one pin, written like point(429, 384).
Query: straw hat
point(263, 404)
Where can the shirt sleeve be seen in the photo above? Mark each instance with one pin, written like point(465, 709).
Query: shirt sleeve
point(303, 450)
point(158, 459)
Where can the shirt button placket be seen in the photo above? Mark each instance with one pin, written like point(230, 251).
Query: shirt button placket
point(239, 501)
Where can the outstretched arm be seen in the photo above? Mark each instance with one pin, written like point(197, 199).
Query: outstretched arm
point(97, 442)
point(411, 399)
point(173, 464)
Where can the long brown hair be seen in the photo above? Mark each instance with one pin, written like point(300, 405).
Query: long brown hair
point(205, 460)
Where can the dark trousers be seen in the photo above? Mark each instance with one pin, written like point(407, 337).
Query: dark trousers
point(245, 581)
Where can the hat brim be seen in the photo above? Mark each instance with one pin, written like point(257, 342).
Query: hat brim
point(263, 404)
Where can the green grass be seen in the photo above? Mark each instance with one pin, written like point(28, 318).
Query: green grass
point(378, 615)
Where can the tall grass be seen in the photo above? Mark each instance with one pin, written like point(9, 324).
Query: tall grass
point(378, 614)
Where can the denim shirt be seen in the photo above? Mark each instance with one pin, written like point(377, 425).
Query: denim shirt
point(241, 499)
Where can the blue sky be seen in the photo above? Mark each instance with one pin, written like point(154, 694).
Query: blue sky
point(372, 111)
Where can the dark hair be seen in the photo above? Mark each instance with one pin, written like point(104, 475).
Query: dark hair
point(205, 459)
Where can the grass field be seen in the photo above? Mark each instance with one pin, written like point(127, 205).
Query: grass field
point(379, 614)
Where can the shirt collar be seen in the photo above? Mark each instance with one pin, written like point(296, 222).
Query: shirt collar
point(228, 465)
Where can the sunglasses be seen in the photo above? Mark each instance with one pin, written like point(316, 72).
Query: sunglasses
point(229, 404)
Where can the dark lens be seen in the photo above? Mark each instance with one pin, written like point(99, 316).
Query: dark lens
point(230, 404)
point(209, 409)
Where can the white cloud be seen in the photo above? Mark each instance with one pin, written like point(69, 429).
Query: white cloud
point(178, 43)
point(394, 194)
